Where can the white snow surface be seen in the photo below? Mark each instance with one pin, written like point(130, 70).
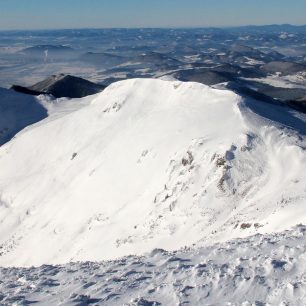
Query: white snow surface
point(149, 164)
point(252, 61)
point(258, 270)
point(297, 80)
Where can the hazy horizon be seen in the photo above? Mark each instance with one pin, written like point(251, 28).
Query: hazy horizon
point(156, 27)
point(79, 14)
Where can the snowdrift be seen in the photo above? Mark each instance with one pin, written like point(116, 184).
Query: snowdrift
point(257, 270)
point(146, 164)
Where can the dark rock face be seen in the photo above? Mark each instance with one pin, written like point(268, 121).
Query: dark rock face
point(62, 86)
point(25, 90)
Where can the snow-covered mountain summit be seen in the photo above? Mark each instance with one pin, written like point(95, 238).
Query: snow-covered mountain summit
point(146, 164)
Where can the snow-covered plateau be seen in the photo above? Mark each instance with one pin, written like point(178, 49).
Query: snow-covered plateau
point(214, 179)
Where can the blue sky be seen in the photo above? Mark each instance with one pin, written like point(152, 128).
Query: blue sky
point(42, 14)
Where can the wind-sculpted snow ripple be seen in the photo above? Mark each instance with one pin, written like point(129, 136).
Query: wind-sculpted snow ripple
point(259, 270)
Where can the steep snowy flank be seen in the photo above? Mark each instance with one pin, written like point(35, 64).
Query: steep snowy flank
point(16, 112)
point(146, 164)
point(259, 270)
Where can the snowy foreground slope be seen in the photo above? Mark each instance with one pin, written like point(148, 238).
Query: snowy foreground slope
point(259, 270)
point(149, 164)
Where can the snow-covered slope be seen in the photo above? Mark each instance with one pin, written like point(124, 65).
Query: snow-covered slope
point(16, 112)
point(149, 163)
point(259, 270)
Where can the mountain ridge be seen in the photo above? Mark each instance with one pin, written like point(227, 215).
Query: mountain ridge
point(145, 164)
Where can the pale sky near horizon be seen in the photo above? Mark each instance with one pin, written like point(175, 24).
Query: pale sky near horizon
point(53, 14)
